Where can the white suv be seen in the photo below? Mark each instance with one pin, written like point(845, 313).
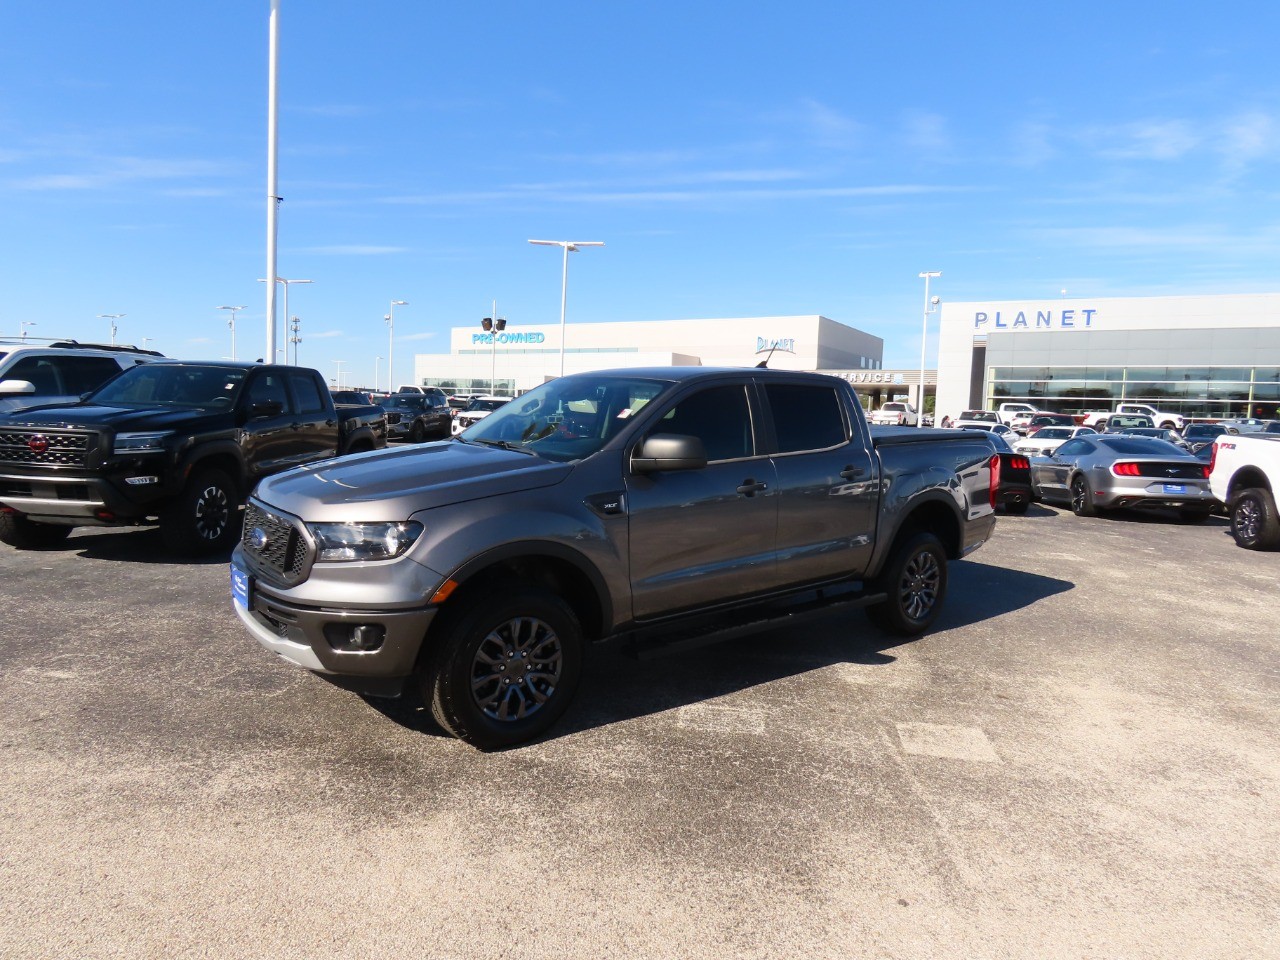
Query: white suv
point(63, 370)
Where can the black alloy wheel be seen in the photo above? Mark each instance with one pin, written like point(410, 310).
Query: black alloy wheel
point(505, 671)
point(205, 517)
point(1082, 498)
point(417, 433)
point(1254, 522)
point(914, 581)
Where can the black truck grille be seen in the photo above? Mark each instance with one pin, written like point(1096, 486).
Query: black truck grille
point(276, 545)
point(55, 449)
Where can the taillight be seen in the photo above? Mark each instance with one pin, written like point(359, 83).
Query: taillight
point(1020, 463)
point(1213, 459)
point(1125, 470)
point(995, 478)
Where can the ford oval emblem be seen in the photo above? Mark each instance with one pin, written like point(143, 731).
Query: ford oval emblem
point(258, 538)
point(38, 444)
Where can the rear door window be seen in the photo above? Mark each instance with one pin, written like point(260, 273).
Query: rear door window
point(806, 417)
point(306, 393)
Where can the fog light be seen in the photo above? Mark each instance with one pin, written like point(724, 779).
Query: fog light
point(355, 637)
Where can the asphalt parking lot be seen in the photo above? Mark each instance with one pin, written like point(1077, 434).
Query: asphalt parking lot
point(1082, 759)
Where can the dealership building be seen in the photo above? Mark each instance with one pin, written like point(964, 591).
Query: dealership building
point(1201, 356)
point(519, 358)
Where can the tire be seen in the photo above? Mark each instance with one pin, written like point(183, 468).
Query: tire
point(205, 517)
point(1255, 525)
point(17, 531)
point(915, 580)
point(1082, 498)
point(484, 646)
point(417, 433)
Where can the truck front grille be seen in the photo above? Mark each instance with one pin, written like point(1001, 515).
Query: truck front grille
point(45, 448)
point(275, 544)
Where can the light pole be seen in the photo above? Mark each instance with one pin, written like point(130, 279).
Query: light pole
point(232, 324)
point(113, 317)
point(569, 246)
point(285, 283)
point(25, 324)
point(493, 326)
point(339, 364)
point(377, 362)
point(273, 178)
point(390, 319)
point(929, 307)
point(296, 324)
point(145, 341)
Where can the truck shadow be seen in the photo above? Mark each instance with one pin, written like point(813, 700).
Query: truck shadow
point(619, 685)
point(133, 545)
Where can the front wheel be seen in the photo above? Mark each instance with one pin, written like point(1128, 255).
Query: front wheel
point(1082, 498)
point(915, 582)
point(505, 669)
point(1254, 522)
point(417, 433)
point(17, 531)
point(205, 516)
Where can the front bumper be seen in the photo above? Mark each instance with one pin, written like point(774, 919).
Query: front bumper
point(126, 495)
point(312, 637)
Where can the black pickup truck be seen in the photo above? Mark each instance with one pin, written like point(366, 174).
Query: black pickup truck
point(176, 443)
point(656, 505)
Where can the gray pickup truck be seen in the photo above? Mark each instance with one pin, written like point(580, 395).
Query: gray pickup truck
point(654, 505)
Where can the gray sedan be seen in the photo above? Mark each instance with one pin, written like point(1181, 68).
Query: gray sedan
point(1108, 471)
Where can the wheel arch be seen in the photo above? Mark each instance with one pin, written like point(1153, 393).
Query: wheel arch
point(227, 459)
point(1246, 478)
point(936, 516)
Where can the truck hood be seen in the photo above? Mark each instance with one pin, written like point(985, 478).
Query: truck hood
point(90, 416)
point(390, 485)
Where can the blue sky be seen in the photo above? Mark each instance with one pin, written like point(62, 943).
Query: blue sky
point(744, 160)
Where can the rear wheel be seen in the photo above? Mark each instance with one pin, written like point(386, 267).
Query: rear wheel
point(504, 671)
point(1254, 522)
point(17, 531)
point(1082, 498)
point(205, 517)
point(417, 433)
point(915, 582)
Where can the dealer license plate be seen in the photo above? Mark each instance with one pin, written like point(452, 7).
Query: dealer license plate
point(1175, 488)
point(241, 586)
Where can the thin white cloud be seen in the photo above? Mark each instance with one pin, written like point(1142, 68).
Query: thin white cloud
point(828, 127)
point(353, 250)
point(114, 171)
point(1147, 140)
point(926, 132)
point(417, 336)
point(326, 335)
point(670, 196)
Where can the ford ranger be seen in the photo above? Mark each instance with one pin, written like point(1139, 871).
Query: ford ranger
point(1244, 473)
point(654, 505)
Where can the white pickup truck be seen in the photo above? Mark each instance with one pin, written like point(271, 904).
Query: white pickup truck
point(1008, 412)
point(894, 414)
point(1244, 474)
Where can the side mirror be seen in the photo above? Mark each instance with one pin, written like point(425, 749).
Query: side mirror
point(266, 408)
point(669, 451)
point(17, 386)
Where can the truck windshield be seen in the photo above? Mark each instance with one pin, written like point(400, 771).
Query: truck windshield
point(569, 418)
point(173, 385)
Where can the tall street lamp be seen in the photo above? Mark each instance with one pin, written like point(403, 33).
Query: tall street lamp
point(493, 326)
point(113, 317)
point(285, 283)
point(145, 341)
point(930, 306)
point(232, 324)
point(390, 319)
point(569, 246)
point(339, 365)
point(24, 324)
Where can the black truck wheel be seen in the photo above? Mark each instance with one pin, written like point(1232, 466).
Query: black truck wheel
point(205, 516)
point(417, 433)
point(504, 670)
point(18, 531)
point(915, 582)
point(1254, 523)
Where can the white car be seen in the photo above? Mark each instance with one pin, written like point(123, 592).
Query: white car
point(1009, 412)
point(1048, 439)
point(59, 371)
point(894, 414)
point(476, 410)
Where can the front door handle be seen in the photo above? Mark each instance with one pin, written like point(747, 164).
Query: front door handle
point(852, 472)
point(750, 487)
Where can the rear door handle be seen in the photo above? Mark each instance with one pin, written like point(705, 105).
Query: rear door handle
point(852, 473)
point(750, 487)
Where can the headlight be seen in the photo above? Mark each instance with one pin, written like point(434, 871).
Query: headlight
point(363, 541)
point(141, 442)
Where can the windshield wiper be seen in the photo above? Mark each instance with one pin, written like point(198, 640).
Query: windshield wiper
point(505, 445)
